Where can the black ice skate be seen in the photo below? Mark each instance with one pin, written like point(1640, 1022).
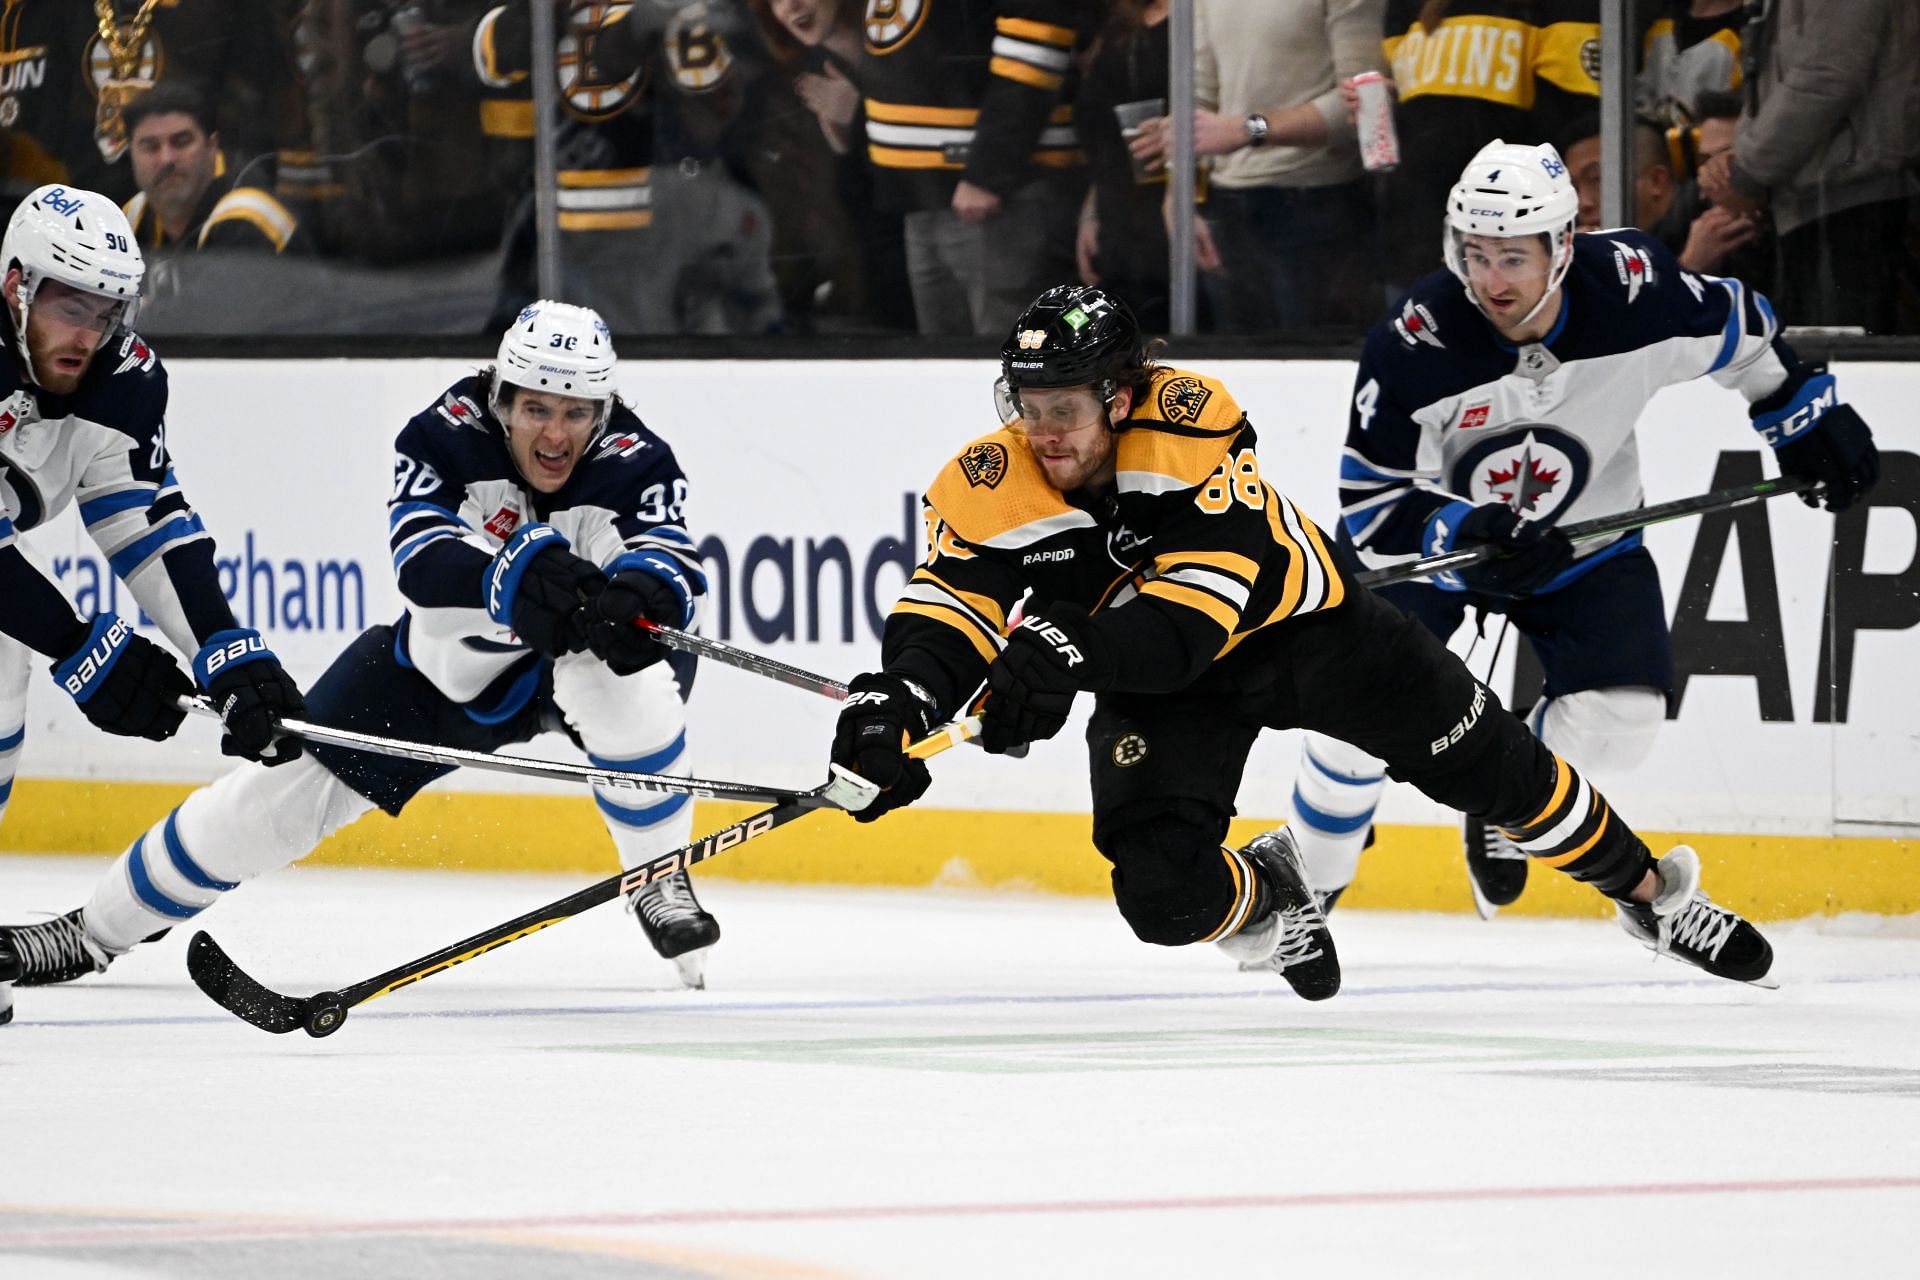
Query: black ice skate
point(38, 955)
point(1292, 939)
point(679, 928)
point(1496, 867)
point(1684, 923)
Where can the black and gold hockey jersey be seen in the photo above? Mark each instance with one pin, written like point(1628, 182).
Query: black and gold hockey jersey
point(1192, 553)
point(1521, 70)
point(973, 89)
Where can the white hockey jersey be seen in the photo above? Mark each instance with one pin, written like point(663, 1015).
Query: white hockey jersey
point(457, 498)
point(1444, 410)
point(104, 447)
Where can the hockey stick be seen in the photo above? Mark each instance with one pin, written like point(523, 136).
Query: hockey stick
point(847, 791)
point(1598, 527)
point(721, 652)
point(728, 655)
point(321, 1014)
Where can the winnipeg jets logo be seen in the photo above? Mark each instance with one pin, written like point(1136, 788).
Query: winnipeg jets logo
point(134, 353)
point(1635, 267)
point(1523, 480)
point(1536, 469)
point(19, 408)
point(458, 410)
point(1415, 325)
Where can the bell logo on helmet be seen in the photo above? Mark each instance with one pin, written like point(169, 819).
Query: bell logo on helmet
point(1553, 166)
point(60, 202)
point(1032, 339)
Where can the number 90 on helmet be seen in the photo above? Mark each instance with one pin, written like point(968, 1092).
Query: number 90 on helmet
point(558, 348)
point(1072, 335)
point(80, 239)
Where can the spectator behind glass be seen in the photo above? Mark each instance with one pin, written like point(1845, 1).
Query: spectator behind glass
point(1691, 49)
point(1122, 243)
point(1467, 72)
point(1828, 147)
point(824, 208)
point(1287, 242)
point(1667, 203)
point(187, 199)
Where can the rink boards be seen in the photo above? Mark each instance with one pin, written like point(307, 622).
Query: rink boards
point(1790, 762)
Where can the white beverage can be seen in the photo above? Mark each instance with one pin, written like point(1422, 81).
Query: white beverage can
point(1379, 144)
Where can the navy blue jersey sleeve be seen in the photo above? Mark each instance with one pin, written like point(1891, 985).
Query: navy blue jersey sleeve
point(1387, 493)
point(38, 614)
point(134, 508)
point(633, 474)
point(435, 563)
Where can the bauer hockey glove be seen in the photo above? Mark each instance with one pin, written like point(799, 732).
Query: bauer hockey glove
point(1527, 554)
point(1817, 439)
point(643, 584)
point(1052, 653)
point(251, 691)
point(537, 586)
point(124, 682)
point(884, 715)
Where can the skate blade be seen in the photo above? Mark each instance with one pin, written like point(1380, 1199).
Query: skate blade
point(1487, 908)
point(1766, 982)
point(693, 968)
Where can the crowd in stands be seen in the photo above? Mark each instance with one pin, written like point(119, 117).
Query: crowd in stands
point(758, 167)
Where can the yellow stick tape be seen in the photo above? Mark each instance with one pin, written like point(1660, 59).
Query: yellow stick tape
point(1410, 869)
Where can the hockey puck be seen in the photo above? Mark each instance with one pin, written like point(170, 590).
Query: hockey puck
point(325, 1013)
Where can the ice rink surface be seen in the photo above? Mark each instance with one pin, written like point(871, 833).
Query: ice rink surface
point(896, 1084)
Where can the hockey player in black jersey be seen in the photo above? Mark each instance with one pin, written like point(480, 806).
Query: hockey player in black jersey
point(83, 403)
point(1163, 573)
point(533, 517)
point(1497, 402)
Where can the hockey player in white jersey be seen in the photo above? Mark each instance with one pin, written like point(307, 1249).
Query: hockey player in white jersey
point(83, 403)
point(533, 517)
point(1497, 402)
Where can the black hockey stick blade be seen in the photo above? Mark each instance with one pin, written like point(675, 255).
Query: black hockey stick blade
point(234, 990)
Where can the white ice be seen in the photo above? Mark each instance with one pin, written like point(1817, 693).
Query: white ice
point(930, 1084)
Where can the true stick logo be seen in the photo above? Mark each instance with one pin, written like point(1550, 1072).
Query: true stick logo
point(1062, 642)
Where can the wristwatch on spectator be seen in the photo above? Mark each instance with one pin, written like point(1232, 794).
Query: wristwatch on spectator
point(1256, 130)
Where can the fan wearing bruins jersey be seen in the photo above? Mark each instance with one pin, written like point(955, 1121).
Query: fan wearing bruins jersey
point(1498, 402)
point(655, 245)
point(1465, 71)
point(969, 122)
point(533, 518)
point(1119, 538)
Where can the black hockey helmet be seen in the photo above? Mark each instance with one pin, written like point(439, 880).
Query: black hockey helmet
point(1072, 335)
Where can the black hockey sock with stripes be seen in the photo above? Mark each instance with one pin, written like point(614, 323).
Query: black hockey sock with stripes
point(1575, 830)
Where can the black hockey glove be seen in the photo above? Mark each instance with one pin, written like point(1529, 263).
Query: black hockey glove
point(883, 715)
point(251, 691)
point(644, 584)
point(125, 683)
point(537, 586)
point(1838, 451)
point(1052, 653)
point(1527, 556)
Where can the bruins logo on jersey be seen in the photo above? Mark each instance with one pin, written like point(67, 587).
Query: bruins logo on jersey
point(984, 464)
point(1182, 400)
point(587, 93)
point(698, 53)
point(891, 23)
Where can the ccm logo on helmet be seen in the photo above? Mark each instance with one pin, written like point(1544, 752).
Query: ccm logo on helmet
point(1061, 642)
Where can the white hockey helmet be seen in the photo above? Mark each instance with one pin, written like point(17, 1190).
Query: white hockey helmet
point(1512, 190)
point(559, 348)
point(82, 240)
